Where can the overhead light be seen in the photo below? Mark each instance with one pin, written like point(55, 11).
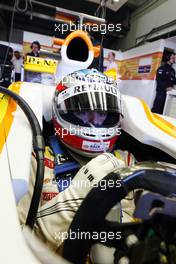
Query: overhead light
point(115, 1)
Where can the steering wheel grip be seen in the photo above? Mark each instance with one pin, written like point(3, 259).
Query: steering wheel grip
point(93, 210)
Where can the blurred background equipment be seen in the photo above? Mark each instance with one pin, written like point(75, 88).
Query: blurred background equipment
point(6, 66)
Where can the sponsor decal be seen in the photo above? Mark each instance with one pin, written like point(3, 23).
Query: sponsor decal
point(144, 69)
point(47, 196)
point(95, 146)
point(49, 163)
point(46, 180)
point(60, 159)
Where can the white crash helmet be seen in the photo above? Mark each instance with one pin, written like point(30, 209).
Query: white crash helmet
point(87, 111)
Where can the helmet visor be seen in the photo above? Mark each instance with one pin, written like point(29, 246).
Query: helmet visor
point(96, 103)
point(90, 97)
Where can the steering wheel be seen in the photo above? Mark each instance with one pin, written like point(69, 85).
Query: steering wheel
point(91, 215)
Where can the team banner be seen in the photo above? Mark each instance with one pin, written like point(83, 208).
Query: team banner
point(141, 67)
point(36, 64)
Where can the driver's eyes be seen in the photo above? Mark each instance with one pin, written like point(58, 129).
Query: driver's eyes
point(90, 113)
point(102, 114)
point(80, 113)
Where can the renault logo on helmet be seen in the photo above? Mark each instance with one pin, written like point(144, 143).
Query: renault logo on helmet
point(94, 87)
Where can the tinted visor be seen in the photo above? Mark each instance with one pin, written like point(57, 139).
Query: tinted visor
point(110, 120)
